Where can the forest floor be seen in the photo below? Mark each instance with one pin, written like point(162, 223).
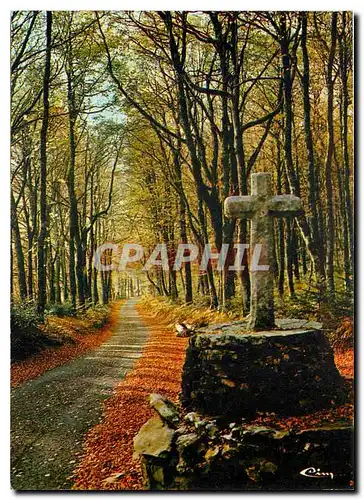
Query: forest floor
point(107, 462)
point(75, 334)
point(51, 414)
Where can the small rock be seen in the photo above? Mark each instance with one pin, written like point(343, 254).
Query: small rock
point(211, 430)
point(254, 430)
point(186, 440)
point(154, 438)
point(228, 437)
point(113, 478)
point(191, 417)
point(182, 429)
point(212, 453)
point(200, 424)
point(165, 409)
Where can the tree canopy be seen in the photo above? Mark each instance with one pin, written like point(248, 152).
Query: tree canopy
point(133, 127)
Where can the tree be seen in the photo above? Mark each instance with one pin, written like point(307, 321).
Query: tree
point(43, 170)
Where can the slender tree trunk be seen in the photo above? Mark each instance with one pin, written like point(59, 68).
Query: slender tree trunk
point(52, 290)
point(344, 69)
point(329, 157)
point(344, 223)
point(11, 267)
point(95, 289)
point(30, 265)
point(73, 213)
point(30, 235)
point(289, 248)
point(313, 193)
point(64, 276)
point(43, 171)
point(290, 170)
point(295, 251)
point(183, 225)
point(214, 302)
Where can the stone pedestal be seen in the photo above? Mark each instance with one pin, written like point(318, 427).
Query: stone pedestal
point(288, 372)
point(230, 375)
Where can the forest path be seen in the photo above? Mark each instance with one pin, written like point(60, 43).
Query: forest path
point(51, 415)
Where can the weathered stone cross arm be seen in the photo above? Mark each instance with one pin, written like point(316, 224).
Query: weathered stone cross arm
point(283, 205)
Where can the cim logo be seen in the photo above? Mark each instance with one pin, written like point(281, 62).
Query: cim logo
point(316, 473)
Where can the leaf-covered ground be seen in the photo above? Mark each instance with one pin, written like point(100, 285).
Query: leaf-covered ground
point(82, 337)
point(344, 359)
point(108, 462)
point(108, 452)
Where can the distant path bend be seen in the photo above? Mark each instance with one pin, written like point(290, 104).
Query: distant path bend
point(51, 415)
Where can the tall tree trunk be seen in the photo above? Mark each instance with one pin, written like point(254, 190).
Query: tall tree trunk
point(52, 290)
point(313, 193)
point(11, 267)
point(188, 289)
point(91, 240)
point(184, 240)
point(43, 171)
point(329, 157)
point(64, 276)
point(289, 252)
point(344, 224)
point(288, 119)
point(344, 50)
point(95, 288)
point(30, 235)
point(73, 213)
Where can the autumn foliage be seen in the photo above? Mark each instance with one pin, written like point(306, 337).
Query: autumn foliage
point(108, 462)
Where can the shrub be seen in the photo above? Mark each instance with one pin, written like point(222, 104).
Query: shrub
point(98, 315)
point(23, 315)
point(26, 337)
point(60, 310)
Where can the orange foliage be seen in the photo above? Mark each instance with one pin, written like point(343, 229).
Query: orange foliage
point(84, 339)
point(109, 445)
point(344, 360)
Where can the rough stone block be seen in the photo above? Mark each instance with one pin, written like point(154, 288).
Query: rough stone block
point(250, 457)
point(288, 372)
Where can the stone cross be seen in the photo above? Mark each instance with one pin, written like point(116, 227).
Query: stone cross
point(261, 206)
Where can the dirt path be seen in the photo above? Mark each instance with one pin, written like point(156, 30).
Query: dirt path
point(51, 414)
